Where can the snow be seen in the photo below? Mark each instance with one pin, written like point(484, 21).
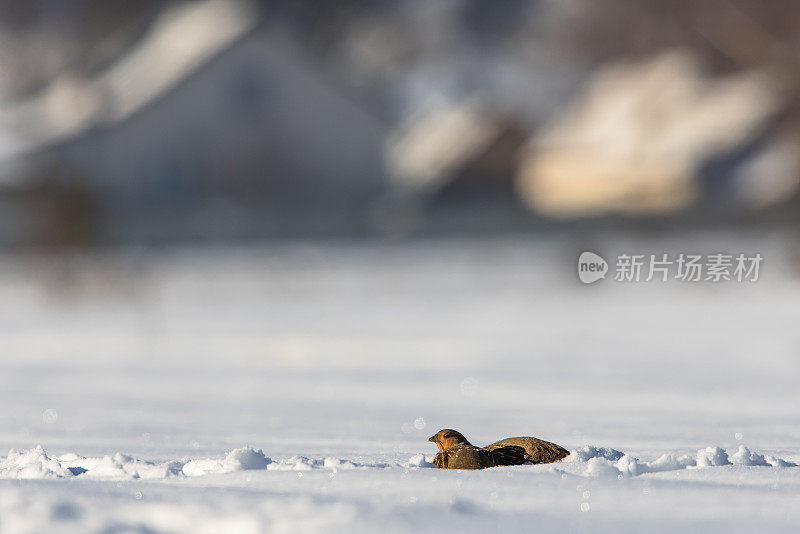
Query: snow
point(33, 463)
point(117, 466)
point(712, 456)
point(744, 456)
point(420, 460)
point(605, 462)
point(292, 388)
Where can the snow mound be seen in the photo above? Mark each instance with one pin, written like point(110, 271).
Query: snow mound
point(245, 459)
point(242, 459)
point(33, 463)
point(743, 456)
point(420, 460)
point(602, 462)
point(337, 463)
point(670, 462)
point(302, 463)
point(590, 451)
point(602, 468)
point(201, 467)
point(629, 466)
point(119, 467)
point(712, 456)
point(297, 463)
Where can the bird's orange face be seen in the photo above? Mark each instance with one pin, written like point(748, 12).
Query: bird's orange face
point(448, 438)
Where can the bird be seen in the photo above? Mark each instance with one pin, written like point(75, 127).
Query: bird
point(456, 452)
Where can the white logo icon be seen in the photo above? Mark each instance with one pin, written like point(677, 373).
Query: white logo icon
point(591, 267)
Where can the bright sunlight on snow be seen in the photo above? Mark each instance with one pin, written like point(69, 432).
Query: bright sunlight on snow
point(292, 388)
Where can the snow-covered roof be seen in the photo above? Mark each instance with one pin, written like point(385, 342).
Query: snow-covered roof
point(182, 38)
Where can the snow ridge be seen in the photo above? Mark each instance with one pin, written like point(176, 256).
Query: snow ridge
point(605, 462)
point(588, 461)
point(35, 463)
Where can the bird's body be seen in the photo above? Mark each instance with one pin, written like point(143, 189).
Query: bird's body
point(534, 450)
point(464, 456)
point(510, 455)
point(455, 452)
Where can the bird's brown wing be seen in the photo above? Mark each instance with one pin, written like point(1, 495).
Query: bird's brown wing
point(537, 451)
point(508, 455)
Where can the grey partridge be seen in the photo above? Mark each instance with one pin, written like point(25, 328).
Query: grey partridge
point(456, 452)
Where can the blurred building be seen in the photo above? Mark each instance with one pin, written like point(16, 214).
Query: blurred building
point(652, 137)
point(235, 118)
point(245, 140)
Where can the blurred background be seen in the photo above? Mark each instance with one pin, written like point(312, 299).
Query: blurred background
point(164, 121)
point(264, 214)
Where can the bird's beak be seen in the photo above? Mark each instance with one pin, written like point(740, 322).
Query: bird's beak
point(433, 438)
